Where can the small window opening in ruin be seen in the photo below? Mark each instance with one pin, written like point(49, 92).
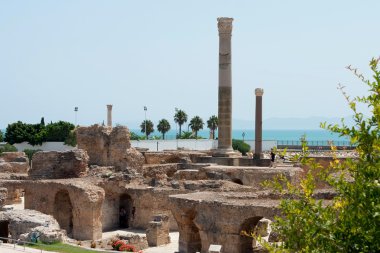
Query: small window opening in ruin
point(63, 211)
point(4, 230)
point(237, 181)
point(126, 211)
point(248, 226)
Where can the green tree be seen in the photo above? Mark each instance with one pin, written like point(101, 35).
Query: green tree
point(196, 124)
point(351, 223)
point(163, 127)
point(148, 124)
point(16, 132)
point(180, 117)
point(42, 123)
point(212, 124)
point(59, 131)
point(241, 146)
point(1, 136)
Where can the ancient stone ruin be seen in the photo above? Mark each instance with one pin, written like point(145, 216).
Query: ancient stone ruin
point(106, 185)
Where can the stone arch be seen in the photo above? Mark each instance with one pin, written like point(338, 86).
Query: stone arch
point(63, 211)
point(248, 226)
point(237, 181)
point(126, 210)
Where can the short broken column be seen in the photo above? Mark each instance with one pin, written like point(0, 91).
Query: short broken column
point(157, 232)
point(214, 248)
point(109, 115)
point(259, 123)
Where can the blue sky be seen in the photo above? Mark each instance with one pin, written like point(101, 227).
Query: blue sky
point(55, 55)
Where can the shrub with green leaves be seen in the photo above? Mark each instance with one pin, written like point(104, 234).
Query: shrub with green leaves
point(8, 148)
point(241, 146)
point(351, 221)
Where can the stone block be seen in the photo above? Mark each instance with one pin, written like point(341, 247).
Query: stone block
point(56, 165)
point(215, 248)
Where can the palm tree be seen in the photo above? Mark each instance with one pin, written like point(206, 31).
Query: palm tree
point(196, 124)
point(148, 124)
point(212, 124)
point(180, 117)
point(163, 127)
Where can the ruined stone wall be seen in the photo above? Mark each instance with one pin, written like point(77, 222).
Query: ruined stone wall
point(56, 165)
point(109, 146)
point(14, 162)
point(86, 203)
point(251, 176)
point(206, 218)
point(147, 202)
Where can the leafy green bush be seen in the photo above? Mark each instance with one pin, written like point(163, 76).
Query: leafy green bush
point(351, 221)
point(134, 137)
point(1, 136)
point(8, 148)
point(71, 139)
point(241, 146)
point(58, 131)
point(36, 134)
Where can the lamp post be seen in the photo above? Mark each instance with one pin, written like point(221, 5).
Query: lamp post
point(145, 109)
point(243, 134)
point(76, 112)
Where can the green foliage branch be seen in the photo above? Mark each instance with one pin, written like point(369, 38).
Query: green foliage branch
point(351, 221)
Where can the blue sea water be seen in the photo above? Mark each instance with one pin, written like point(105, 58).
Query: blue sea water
point(278, 135)
point(249, 134)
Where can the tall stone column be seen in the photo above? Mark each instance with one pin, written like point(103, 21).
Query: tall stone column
point(259, 122)
point(109, 115)
point(225, 88)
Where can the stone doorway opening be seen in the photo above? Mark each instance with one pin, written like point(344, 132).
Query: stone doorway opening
point(248, 226)
point(4, 230)
point(237, 181)
point(126, 211)
point(63, 211)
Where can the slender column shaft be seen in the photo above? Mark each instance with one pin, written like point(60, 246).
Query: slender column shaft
point(109, 115)
point(225, 85)
point(259, 122)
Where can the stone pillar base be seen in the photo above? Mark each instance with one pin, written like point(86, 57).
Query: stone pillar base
point(225, 153)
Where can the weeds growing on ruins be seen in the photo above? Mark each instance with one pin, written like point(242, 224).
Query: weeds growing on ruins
point(351, 221)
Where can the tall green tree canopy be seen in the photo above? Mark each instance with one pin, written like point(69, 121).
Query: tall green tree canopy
point(351, 223)
point(36, 134)
point(180, 117)
point(196, 124)
point(1, 136)
point(163, 127)
point(149, 126)
point(212, 124)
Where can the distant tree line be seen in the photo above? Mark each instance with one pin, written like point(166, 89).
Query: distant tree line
point(180, 118)
point(36, 134)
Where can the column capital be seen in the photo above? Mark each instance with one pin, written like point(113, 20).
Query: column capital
point(225, 25)
point(109, 107)
point(259, 92)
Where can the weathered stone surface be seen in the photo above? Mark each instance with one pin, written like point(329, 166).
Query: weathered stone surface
point(23, 221)
point(14, 162)
point(56, 165)
point(206, 218)
point(182, 157)
point(159, 171)
point(45, 235)
point(158, 231)
point(3, 196)
point(107, 146)
point(74, 203)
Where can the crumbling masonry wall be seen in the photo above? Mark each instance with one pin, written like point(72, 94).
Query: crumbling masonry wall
point(109, 146)
point(86, 200)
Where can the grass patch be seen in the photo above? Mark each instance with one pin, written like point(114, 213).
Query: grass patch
point(61, 247)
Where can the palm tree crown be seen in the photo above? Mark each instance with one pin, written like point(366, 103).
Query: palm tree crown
point(196, 124)
point(212, 124)
point(163, 127)
point(180, 117)
point(149, 127)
